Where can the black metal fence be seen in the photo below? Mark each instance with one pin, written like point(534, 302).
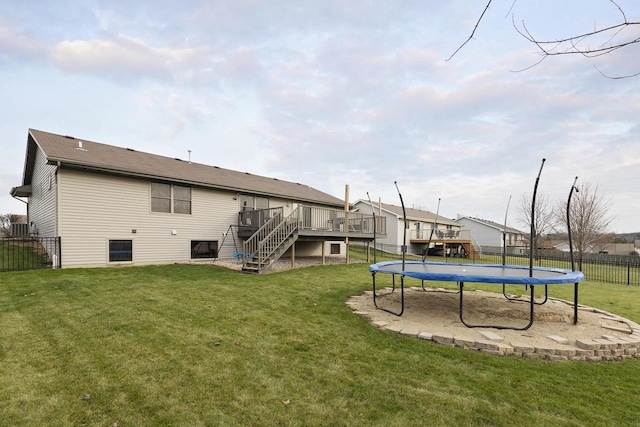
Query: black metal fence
point(29, 253)
point(619, 269)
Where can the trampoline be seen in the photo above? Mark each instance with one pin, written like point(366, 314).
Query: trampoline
point(502, 274)
point(478, 273)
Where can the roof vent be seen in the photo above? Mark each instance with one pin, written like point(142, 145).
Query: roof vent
point(80, 147)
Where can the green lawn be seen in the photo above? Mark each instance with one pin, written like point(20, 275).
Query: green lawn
point(21, 256)
point(188, 345)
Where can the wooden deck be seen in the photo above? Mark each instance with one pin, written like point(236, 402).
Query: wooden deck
point(455, 245)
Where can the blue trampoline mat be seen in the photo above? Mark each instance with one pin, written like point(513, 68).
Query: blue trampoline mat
point(480, 273)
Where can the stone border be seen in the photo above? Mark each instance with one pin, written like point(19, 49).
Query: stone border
point(603, 348)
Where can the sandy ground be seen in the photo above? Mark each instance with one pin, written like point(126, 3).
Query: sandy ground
point(437, 311)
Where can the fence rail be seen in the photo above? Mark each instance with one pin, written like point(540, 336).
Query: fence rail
point(619, 269)
point(29, 253)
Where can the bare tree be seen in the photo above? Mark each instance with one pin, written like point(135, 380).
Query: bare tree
point(590, 219)
point(592, 43)
point(543, 218)
point(5, 223)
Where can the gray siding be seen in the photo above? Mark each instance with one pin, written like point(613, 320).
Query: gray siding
point(484, 235)
point(394, 227)
point(42, 202)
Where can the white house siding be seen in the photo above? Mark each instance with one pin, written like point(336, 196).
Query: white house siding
point(392, 240)
point(97, 208)
point(484, 235)
point(42, 202)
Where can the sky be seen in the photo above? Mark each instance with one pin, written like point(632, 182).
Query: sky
point(333, 93)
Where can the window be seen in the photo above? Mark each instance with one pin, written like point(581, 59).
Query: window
point(160, 197)
point(335, 249)
point(120, 250)
point(249, 203)
point(204, 249)
point(262, 203)
point(170, 198)
point(181, 199)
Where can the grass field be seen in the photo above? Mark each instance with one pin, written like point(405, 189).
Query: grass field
point(21, 256)
point(190, 345)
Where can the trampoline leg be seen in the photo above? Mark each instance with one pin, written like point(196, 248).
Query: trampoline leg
point(469, 325)
point(375, 302)
point(546, 295)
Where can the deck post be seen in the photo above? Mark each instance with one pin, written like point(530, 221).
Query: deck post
point(293, 255)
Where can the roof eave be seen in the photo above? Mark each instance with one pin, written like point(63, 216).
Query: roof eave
point(21, 191)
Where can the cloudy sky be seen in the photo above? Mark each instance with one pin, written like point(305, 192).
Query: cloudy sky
point(329, 93)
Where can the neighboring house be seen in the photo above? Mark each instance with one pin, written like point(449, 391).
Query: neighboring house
point(617, 248)
point(606, 248)
point(489, 234)
point(112, 206)
point(446, 238)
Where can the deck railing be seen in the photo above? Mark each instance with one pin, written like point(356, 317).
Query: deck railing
point(317, 218)
point(273, 236)
point(257, 218)
point(325, 219)
point(424, 234)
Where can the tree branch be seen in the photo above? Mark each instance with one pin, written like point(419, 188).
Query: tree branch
point(472, 32)
point(574, 45)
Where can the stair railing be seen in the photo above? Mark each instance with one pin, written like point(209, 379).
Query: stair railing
point(269, 238)
point(251, 245)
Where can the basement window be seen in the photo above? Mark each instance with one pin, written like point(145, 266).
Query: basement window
point(335, 249)
point(204, 249)
point(120, 250)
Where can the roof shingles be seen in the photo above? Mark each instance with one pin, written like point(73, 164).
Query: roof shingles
point(74, 152)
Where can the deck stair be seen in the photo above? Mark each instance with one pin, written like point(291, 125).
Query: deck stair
point(270, 242)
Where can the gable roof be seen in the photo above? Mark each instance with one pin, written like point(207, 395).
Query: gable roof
point(412, 214)
point(491, 224)
point(81, 153)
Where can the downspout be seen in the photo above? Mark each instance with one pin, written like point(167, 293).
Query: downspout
point(20, 200)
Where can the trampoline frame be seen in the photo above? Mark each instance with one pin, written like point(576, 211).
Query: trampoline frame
point(540, 277)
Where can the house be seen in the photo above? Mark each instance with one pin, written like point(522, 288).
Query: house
point(489, 234)
point(111, 206)
point(424, 229)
